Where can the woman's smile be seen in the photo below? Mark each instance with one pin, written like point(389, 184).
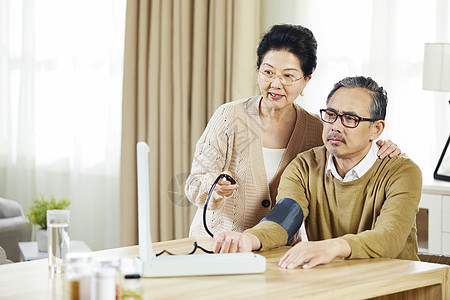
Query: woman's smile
point(275, 96)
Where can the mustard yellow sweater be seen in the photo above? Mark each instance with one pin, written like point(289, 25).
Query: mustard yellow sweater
point(232, 141)
point(375, 214)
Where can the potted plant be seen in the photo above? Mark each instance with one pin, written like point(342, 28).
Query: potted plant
point(38, 217)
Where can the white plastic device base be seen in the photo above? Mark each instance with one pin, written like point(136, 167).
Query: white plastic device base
point(203, 264)
point(181, 265)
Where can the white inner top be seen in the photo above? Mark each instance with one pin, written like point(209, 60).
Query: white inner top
point(272, 159)
point(357, 171)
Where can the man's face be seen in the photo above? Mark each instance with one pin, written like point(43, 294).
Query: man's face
point(350, 143)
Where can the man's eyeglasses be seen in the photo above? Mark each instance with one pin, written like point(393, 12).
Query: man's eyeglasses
point(286, 78)
point(348, 120)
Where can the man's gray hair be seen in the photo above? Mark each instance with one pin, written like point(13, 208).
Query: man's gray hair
point(379, 95)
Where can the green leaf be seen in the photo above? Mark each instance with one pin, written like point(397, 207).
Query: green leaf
point(38, 212)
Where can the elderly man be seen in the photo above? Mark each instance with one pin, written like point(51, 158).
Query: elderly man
point(354, 204)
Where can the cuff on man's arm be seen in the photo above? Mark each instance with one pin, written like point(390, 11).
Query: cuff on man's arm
point(288, 214)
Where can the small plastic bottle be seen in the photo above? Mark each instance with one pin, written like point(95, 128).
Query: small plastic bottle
point(131, 287)
point(114, 263)
point(103, 284)
point(78, 276)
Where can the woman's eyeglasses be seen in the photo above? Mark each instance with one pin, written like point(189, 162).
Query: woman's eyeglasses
point(286, 78)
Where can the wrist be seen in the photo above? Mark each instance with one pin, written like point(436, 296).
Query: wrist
point(343, 248)
point(256, 243)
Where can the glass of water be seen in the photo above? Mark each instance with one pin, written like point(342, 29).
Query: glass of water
point(58, 221)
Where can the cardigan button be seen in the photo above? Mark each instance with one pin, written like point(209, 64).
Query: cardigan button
point(265, 203)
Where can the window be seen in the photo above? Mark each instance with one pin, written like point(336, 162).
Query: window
point(60, 104)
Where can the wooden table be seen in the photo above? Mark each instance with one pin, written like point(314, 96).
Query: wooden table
point(341, 279)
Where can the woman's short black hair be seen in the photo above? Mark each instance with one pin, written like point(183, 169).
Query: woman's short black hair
point(296, 39)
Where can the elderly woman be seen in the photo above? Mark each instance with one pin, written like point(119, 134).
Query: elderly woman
point(254, 139)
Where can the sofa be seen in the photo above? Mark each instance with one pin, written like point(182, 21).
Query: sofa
point(13, 228)
point(3, 258)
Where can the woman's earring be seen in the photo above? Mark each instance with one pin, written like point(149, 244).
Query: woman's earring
point(301, 94)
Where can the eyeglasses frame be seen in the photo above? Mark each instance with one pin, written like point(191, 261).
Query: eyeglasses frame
point(341, 115)
point(279, 77)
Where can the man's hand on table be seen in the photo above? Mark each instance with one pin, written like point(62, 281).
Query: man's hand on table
point(303, 254)
point(311, 254)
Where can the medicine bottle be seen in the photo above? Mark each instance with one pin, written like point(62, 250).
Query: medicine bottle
point(103, 284)
point(78, 276)
point(112, 262)
point(131, 287)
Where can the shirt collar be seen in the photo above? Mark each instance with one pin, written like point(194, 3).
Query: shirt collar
point(357, 171)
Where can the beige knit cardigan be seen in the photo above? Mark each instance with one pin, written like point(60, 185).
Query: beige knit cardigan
point(232, 141)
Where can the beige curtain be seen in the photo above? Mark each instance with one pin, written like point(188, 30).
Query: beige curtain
point(183, 58)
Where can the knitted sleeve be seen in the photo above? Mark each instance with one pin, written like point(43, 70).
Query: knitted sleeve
point(397, 216)
point(211, 157)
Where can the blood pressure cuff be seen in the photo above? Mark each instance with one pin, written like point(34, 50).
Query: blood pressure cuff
point(288, 214)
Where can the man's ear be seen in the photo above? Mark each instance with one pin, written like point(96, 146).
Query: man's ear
point(377, 129)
